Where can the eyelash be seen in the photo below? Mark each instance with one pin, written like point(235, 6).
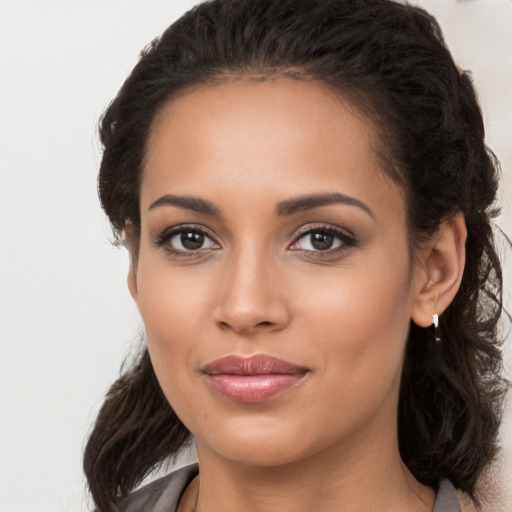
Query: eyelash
point(347, 240)
point(163, 239)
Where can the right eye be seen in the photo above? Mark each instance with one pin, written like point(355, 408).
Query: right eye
point(183, 241)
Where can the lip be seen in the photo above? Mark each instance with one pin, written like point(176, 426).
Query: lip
point(252, 379)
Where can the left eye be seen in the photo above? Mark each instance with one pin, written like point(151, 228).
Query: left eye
point(189, 240)
point(321, 241)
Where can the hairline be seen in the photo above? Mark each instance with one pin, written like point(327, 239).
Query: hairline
point(358, 104)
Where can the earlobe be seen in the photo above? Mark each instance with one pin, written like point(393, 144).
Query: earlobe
point(131, 242)
point(440, 269)
point(132, 284)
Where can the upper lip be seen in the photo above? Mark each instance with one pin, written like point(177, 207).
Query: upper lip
point(255, 365)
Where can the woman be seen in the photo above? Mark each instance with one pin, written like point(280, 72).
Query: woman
point(306, 196)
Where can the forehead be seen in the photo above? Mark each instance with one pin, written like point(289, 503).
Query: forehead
point(275, 137)
point(255, 109)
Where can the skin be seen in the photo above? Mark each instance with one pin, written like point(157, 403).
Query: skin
point(258, 286)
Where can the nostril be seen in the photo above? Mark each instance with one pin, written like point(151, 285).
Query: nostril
point(226, 325)
point(250, 317)
point(223, 325)
point(245, 327)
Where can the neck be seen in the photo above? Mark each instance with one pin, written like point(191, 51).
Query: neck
point(341, 478)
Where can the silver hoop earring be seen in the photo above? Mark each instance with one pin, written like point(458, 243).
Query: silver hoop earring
point(435, 322)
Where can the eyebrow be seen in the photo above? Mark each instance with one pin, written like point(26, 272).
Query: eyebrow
point(283, 209)
point(307, 202)
point(195, 204)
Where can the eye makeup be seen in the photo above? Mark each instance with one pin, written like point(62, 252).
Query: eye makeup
point(317, 240)
point(186, 240)
point(324, 240)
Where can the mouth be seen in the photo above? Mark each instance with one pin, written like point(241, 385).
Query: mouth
point(252, 379)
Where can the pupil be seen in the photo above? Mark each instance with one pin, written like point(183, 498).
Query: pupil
point(191, 240)
point(321, 241)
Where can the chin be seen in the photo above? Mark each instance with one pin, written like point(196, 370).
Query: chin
point(262, 456)
point(256, 445)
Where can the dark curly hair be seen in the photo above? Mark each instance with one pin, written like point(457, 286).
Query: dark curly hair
point(390, 61)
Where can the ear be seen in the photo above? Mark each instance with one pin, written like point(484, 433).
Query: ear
point(131, 242)
point(438, 270)
point(132, 283)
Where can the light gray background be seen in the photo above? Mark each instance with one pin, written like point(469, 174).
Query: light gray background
point(66, 317)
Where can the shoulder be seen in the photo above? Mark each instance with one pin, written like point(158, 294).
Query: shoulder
point(161, 495)
point(447, 499)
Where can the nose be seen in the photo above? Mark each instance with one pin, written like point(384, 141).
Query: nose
point(251, 297)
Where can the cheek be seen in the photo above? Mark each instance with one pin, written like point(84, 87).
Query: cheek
point(172, 309)
point(360, 321)
point(357, 329)
point(173, 306)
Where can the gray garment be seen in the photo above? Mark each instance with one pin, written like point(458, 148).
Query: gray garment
point(164, 495)
point(446, 499)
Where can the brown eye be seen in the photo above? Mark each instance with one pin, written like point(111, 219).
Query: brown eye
point(321, 241)
point(191, 240)
point(187, 240)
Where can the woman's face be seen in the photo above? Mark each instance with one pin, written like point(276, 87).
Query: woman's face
point(273, 276)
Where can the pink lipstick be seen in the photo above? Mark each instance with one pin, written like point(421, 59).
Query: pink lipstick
point(252, 379)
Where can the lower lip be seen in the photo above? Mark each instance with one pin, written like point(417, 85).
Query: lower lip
point(252, 389)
